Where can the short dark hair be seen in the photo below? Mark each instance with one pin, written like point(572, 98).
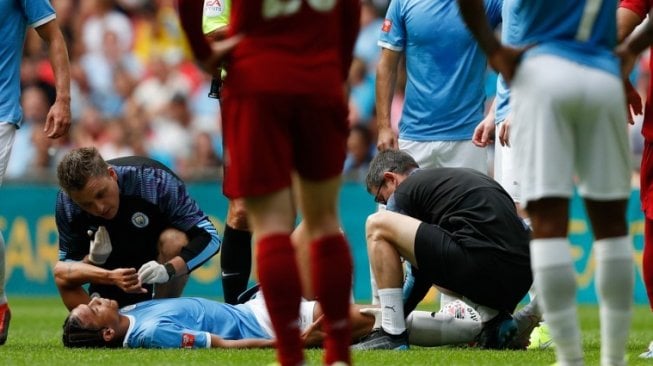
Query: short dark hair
point(75, 335)
point(78, 166)
point(388, 161)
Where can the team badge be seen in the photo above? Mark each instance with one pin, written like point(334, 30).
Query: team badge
point(140, 220)
point(387, 24)
point(187, 340)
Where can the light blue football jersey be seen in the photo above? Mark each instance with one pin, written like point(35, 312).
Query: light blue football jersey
point(444, 96)
point(17, 15)
point(510, 33)
point(188, 323)
point(583, 31)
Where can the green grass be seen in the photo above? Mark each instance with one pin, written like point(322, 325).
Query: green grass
point(35, 339)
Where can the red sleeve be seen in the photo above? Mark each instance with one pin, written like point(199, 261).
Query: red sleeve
point(350, 28)
point(190, 15)
point(640, 7)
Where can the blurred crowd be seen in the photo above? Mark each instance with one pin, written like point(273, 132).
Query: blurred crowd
point(136, 91)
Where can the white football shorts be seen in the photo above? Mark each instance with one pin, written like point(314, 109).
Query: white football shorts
point(446, 154)
point(569, 124)
point(7, 134)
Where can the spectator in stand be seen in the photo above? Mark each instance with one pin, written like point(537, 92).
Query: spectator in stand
point(359, 153)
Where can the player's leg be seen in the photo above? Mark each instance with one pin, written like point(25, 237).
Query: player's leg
point(235, 252)
point(318, 163)
point(7, 133)
point(543, 142)
point(271, 219)
point(327, 249)
point(171, 241)
point(646, 197)
point(390, 236)
point(604, 181)
point(257, 130)
point(432, 329)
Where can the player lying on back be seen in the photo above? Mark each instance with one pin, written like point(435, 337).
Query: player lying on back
point(202, 323)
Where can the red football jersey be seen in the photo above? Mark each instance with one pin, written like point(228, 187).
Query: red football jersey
point(642, 7)
point(291, 46)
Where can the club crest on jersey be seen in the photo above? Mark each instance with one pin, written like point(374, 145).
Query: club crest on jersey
point(187, 340)
point(140, 220)
point(387, 25)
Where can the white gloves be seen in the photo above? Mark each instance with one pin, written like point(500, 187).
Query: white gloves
point(153, 272)
point(100, 246)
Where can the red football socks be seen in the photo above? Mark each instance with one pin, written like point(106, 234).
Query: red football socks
point(331, 266)
point(280, 283)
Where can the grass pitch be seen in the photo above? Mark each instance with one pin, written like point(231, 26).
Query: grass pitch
point(35, 339)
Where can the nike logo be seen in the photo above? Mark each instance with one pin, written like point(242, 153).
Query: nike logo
point(230, 274)
point(391, 308)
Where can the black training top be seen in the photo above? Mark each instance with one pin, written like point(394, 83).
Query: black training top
point(152, 199)
point(458, 201)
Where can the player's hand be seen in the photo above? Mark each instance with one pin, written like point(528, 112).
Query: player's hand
point(153, 272)
point(127, 280)
point(387, 139)
point(220, 51)
point(484, 133)
point(375, 312)
point(633, 101)
point(57, 121)
point(313, 335)
point(504, 132)
point(100, 246)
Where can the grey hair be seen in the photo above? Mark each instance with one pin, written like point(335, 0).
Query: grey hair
point(78, 166)
point(395, 161)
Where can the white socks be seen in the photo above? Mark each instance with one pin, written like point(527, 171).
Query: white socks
point(614, 286)
point(554, 279)
point(392, 310)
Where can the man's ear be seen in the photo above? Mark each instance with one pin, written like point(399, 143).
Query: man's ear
point(390, 177)
point(112, 172)
point(108, 334)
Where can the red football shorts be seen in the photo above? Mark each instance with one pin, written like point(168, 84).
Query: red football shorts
point(646, 180)
point(267, 137)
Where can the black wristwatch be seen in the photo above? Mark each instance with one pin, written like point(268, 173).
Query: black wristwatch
point(171, 270)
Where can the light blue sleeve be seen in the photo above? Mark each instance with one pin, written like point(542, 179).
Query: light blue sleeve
point(37, 12)
point(168, 335)
point(393, 30)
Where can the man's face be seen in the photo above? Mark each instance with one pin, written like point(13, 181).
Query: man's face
point(390, 182)
point(100, 196)
point(100, 313)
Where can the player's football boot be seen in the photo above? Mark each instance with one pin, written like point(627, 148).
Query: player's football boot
point(540, 338)
point(525, 325)
point(5, 317)
point(498, 332)
point(380, 339)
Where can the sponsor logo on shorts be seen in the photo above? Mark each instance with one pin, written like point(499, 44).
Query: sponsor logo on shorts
point(387, 25)
point(140, 220)
point(187, 340)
